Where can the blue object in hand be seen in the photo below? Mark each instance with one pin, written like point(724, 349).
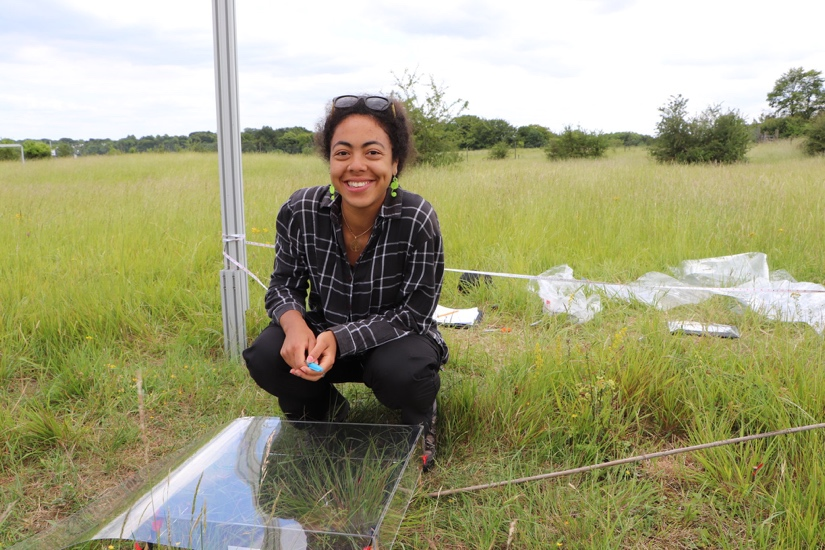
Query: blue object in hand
point(316, 367)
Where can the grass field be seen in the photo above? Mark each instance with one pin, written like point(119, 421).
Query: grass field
point(110, 267)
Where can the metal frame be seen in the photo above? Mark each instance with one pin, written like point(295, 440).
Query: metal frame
point(234, 287)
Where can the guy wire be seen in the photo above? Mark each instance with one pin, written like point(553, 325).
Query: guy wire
point(629, 460)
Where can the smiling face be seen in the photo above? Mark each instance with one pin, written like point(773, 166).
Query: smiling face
point(361, 164)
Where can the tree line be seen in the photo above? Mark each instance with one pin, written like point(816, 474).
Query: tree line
point(263, 140)
point(467, 132)
point(714, 135)
point(442, 130)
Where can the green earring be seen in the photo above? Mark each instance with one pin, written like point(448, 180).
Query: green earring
point(331, 191)
point(394, 186)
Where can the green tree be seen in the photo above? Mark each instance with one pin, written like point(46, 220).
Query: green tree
point(289, 140)
point(202, 142)
point(499, 151)
point(472, 132)
point(64, 149)
point(501, 131)
point(172, 144)
point(533, 136)
point(295, 140)
point(576, 143)
point(721, 137)
point(629, 139)
point(203, 137)
point(782, 127)
point(469, 132)
point(36, 149)
point(814, 143)
point(713, 136)
point(798, 93)
point(97, 147)
point(250, 142)
point(674, 137)
point(431, 116)
point(127, 144)
point(268, 139)
point(147, 144)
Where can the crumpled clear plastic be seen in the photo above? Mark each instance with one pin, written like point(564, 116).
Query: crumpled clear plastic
point(743, 277)
point(562, 294)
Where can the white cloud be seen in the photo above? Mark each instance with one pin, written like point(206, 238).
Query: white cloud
point(95, 68)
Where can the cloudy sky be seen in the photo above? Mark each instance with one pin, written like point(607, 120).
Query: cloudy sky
point(106, 69)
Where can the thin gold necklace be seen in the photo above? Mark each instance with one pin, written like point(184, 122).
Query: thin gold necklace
point(354, 245)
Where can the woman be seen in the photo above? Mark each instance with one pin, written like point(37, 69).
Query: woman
point(358, 273)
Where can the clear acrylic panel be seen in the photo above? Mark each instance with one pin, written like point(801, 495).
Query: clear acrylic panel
point(261, 483)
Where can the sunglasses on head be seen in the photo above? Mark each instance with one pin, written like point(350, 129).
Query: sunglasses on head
point(372, 102)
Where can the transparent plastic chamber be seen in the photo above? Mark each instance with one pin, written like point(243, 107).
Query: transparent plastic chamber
point(260, 483)
point(743, 277)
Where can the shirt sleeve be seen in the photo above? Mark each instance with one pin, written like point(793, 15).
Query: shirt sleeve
point(420, 289)
point(289, 282)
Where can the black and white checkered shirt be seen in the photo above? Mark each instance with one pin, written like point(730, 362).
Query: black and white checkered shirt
point(391, 291)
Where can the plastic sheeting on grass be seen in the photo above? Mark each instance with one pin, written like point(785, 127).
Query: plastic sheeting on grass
point(743, 277)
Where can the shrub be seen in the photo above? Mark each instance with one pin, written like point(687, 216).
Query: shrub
point(36, 149)
point(713, 136)
point(577, 144)
point(498, 151)
point(783, 127)
point(814, 143)
point(723, 138)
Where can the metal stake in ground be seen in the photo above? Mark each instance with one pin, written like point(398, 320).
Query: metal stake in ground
point(629, 460)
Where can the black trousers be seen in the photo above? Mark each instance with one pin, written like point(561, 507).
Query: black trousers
point(403, 374)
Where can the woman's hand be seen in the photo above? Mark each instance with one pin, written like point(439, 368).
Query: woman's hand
point(299, 340)
point(323, 353)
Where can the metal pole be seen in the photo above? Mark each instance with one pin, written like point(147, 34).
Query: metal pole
point(234, 288)
point(629, 460)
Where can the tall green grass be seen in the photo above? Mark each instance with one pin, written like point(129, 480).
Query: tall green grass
point(110, 265)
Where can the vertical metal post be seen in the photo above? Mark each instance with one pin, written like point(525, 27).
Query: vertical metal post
point(234, 288)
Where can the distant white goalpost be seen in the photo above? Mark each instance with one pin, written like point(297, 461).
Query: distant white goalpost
point(11, 145)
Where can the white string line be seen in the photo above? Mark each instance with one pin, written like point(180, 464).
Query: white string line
point(605, 285)
point(244, 269)
point(234, 238)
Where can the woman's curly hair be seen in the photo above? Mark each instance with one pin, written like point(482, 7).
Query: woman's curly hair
point(394, 120)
